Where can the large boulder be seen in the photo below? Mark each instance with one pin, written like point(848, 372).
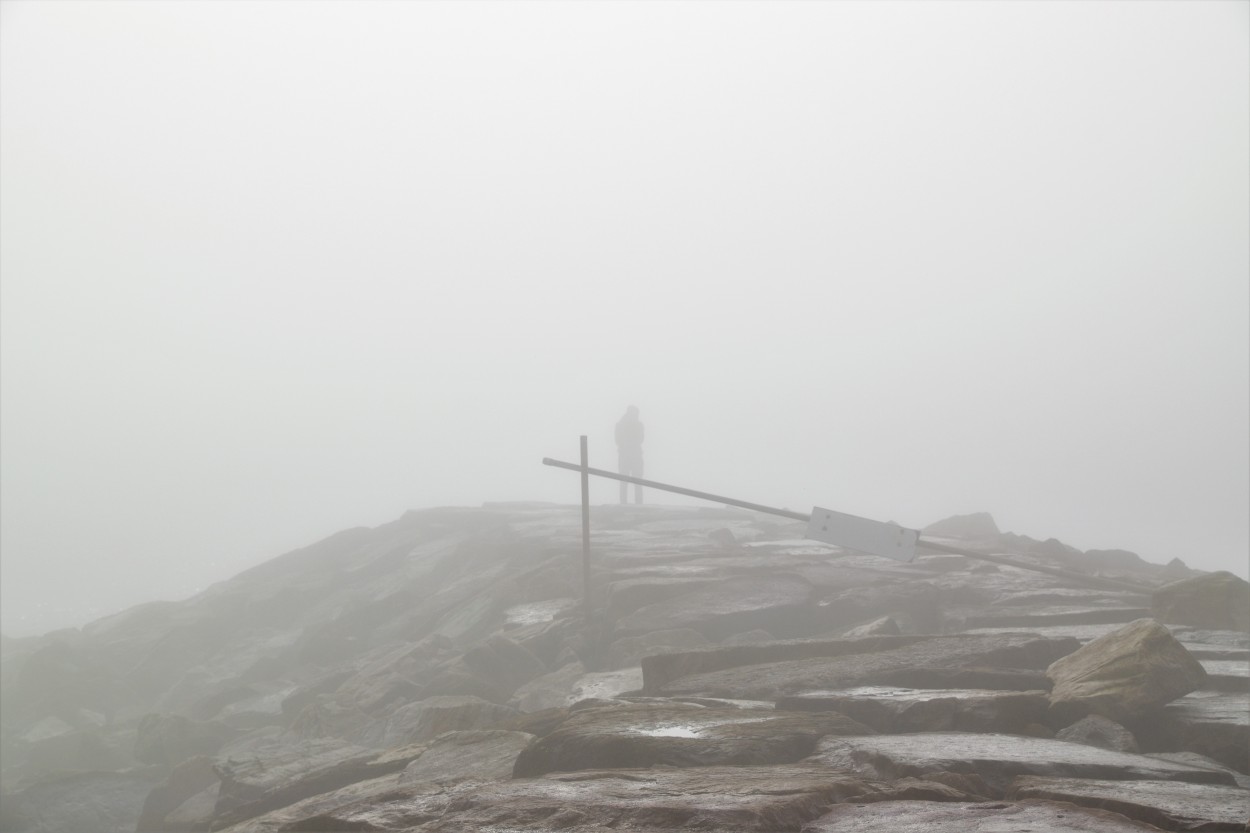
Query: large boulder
point(1216, 601)
point(1126, 674)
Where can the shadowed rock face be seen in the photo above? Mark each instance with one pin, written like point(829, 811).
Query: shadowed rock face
point(397, 678)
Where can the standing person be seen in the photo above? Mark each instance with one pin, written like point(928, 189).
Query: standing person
point(629, 434)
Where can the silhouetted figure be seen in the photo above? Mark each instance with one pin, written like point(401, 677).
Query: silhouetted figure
point(629, 433)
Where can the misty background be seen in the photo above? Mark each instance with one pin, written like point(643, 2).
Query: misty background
point(271, 270)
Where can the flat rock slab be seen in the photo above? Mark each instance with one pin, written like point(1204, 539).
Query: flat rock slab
point(272, 773)
point(1227, 674)
point(897, 710)
point(982, 817)
point(727, 607)
point(647, 734)
point(1167, 804)
point(1211, 723)
point(771, 681)
point(737, 799)
point(997, 759)
point(381, 802)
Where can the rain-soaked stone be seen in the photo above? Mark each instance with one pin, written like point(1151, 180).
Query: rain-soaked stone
point(272, 772)
point(896, 710)
point(709, 798)
point(650, 734)
point(380, 803)
point(1170, 805)
point(982, 817)
point(778, 679)
point(996, 759)
point(1126, 674)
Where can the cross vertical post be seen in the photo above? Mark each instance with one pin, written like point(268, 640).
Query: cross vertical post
point(586, 530)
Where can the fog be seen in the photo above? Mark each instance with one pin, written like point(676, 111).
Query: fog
point(272, 270)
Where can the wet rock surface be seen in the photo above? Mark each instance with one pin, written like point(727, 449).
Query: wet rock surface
point(897, 710)
point(438, 674)
point(650, 734)
point(1165, 804)
point(988, 817)
point(996, 759)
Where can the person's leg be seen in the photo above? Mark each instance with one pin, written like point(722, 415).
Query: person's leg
point(637, 472)
point(623, 468)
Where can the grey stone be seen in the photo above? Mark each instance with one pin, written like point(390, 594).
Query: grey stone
point(1126, 674)
point(996, 759)
point(1170, 805)
point(982, 817)
point(1211, 723)
point(1095, 730)
point(647, 734)
point(772, 680)
point(896, 710)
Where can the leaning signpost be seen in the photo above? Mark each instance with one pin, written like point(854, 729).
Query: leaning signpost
point(850, 532)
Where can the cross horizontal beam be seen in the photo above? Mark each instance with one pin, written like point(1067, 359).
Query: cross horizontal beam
point(1081, 578)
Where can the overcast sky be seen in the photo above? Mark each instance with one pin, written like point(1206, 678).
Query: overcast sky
point(271, 270)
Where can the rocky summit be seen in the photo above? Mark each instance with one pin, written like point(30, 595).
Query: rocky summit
point(444, 673)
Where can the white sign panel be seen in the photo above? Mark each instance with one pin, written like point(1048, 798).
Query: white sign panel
point(854, 533)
